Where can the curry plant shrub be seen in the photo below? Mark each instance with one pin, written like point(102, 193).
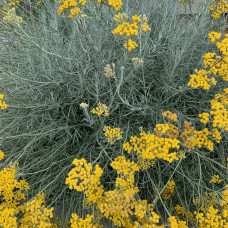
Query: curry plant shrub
point(56, 70)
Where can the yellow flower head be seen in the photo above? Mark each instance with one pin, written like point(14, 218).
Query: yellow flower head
point(204, 117)
point(215, 179)
point(213, 36)
point(130, 45)
point(87, 222)
point(100, 109)
point(36, 214)
point(3, 105)
point(170, 115)
point(218, 8)
point(116, 4)
point(113, 134)
point(1, 155)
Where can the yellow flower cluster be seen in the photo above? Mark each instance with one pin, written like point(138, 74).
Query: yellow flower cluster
point(145, 26)
point(73, 6)
point(11, 17)
point(109, 72)
point(209, 60)
point(100, 109)
point(212, 212)
point(140, 208)
point(120, 18)
point(7, 217)
point(118, 206)
point(130, 45)
point(214, 64)
point(8, 184)
point(143, 213)
point(205, 201)
point(151, 147)
point(127, 170)
point(219, 111)
point(11, 196)
point(215, 179)
point(169, 115)
point(200, 79)
point(213, 36)
point(224, 202)
point(218, 8)
point(113, 134)
point(216, 135)
point(169, 190)
point(36, 214)
point(13, 211)
point(1, 155)
point(223, 45)
point(211, 218)
point(221, 68)
point(77, 222)
point(130, 29)
point(126, 29)
point(173, 131)
point(204, 117)
point(181, 211)
point(217, 64)
point(200, 139)
point(161, 129)
point(82, 178)
point(191, 138)
point(116, 4)
point(174, 223)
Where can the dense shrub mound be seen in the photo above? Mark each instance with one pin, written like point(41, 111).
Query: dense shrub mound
point(55, 70)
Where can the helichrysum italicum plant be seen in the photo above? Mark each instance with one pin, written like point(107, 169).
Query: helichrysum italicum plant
point(51, 64)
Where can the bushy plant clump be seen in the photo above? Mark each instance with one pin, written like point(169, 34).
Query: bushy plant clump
point(81, 82)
